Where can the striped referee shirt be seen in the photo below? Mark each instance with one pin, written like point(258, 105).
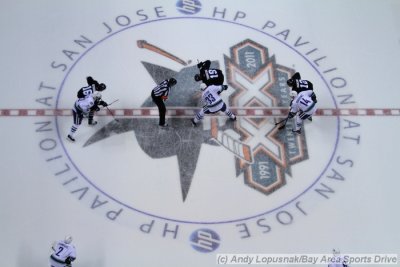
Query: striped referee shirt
point(161, 90)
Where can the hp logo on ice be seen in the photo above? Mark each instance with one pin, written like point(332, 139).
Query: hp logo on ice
point(188, 7)
point(204, 240)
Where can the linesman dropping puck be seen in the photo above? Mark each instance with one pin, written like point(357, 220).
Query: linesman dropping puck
point(160, 94)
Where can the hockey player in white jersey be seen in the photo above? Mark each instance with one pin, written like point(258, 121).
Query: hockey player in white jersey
point(94, 88)
point(89, 99)
point(213, 102)
point(302, 107)
point(64, 253)
point(337, 260)
point(83, 107)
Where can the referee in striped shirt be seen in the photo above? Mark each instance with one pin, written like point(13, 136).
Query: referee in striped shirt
point(159, 94)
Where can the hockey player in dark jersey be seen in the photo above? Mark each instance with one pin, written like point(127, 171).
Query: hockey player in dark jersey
point(93, 88)
point(298, 85)
point(209, 76)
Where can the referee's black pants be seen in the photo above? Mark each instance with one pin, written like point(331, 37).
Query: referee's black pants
point(161, 108)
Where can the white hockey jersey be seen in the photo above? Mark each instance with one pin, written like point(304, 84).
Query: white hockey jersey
point(303, 102)
point(62, 251)
point(84, 104)
point(212, 99)
point(338, 261)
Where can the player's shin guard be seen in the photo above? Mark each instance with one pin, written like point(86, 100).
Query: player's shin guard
point(90, 118)
point(199, 116)
point(229, 113)
point(298, 124)
point(74, 128)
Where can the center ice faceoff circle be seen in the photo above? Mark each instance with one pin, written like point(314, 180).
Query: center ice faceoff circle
point(148, 182)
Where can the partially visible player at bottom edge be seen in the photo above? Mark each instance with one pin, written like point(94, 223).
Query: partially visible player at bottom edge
point(213, 103)
point(84, 107)
point(337, 260)
point(64, 253)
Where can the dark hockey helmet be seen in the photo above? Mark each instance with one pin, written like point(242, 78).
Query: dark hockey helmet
point(171, 82)
point(290, 82)
point(204, 64)
point(101, 87)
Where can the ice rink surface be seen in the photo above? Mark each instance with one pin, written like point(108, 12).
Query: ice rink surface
point(132, 194)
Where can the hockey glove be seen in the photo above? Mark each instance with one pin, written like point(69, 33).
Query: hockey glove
point(103, 103)
point(95, 108)
point(291, 115)
point(224, 87)
point(68, 260)
point(314, 97)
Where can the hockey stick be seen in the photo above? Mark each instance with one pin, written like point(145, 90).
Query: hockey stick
point(116, 100)
point(284, 121)
point(144, 44)
point(112, 114)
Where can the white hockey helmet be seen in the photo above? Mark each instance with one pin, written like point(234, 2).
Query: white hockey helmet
point(293, 94)
point(203, 86)
point(96, 95)
point(68, 239)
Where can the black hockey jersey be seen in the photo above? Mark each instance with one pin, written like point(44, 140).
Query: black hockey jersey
point(300, 85)
point(87, 90)
point(210, 76)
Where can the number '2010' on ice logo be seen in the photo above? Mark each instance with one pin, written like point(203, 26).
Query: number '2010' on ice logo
point(188, 7)
point(260, 82)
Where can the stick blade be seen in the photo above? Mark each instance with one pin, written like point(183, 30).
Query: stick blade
point(282, 127)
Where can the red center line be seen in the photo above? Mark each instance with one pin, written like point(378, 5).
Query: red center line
point(189, 112)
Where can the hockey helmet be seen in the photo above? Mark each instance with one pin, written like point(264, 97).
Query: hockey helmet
point(203, 86)
point(336, 252)
point(101, 87)
point(68, 239)
point(96, 96)
point(290, 82)
point(293, 94)
point(171, 82)
point(204, 64)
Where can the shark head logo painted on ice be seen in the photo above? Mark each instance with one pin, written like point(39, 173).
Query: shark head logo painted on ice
point(182, 140)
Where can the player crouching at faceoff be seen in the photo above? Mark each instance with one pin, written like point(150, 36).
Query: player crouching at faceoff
point(304, 100)
point(213, 102)
point(94, 88)
point(64, 253)
point(86, 105)
point(208, 75)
